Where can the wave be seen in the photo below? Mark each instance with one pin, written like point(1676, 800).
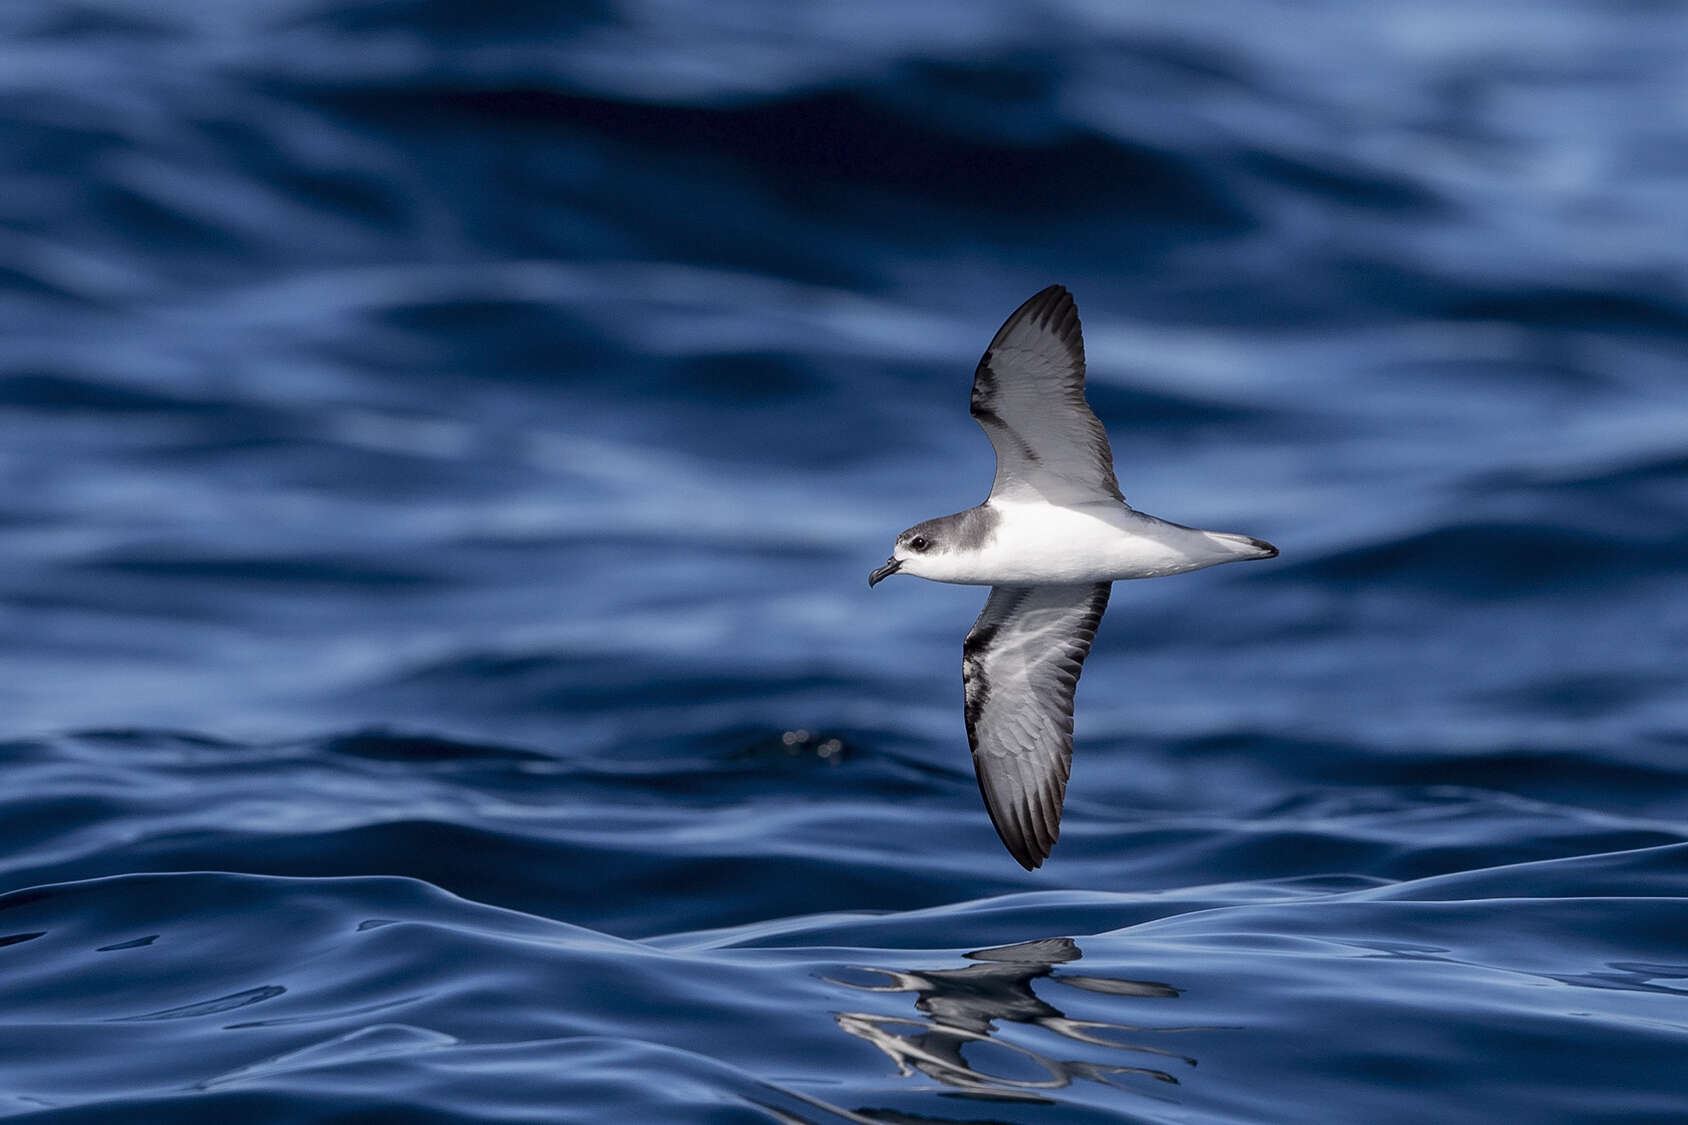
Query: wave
point(289, 995)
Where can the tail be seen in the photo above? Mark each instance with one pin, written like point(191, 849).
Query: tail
point(1242, 547)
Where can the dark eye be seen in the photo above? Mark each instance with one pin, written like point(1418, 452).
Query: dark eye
point(918, 543)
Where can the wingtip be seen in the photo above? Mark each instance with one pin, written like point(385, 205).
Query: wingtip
point(1018, 839)
point(1052, 308)
point(1023, 850)
point(1051, 302)
point(1027, 841)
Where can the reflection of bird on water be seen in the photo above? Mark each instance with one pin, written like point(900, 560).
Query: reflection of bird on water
point(964, 1005)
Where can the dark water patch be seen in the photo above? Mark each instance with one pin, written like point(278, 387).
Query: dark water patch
point(152, 210)
point(478, 335)
point(319, 571)
point(1642, 976)
point(50, 140)
point(1651, 310)
point(37, 820)
point(744, 379)
point(133, 943)
point(562, 869)
point(578, 681)
point(1001, 97)
point(1491, 560)
point(391, 746)
point(840, 138)
point(168, 744)
point(1585, 696)
point(278, 453)
point(215, 1007)
point(1130, 408)
point(799, 745)
point(80, 23)
point(1186, 63)
point(136, 600)
point(17, 279)
point(1543, 373)
point(466, 26)
point(1339, 184)
point(743, 409)
point(52, 392)
point(353, 192)
point(1590, 777)
point(1657, 479)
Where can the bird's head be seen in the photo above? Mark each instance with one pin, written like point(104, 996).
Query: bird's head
point(923, 551)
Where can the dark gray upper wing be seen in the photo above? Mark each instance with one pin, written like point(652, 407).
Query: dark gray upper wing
point(1020, 666)
point(1028, 394)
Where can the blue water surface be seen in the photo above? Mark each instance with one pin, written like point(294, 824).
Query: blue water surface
point(444, 445)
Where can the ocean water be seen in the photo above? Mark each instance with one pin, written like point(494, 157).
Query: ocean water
point(443, 449)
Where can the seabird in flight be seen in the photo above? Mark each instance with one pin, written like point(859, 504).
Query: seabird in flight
point(1050, 540)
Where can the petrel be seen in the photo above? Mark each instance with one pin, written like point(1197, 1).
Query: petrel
point(1050, 540)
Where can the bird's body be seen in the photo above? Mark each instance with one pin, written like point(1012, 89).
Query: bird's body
point(1036, 544)
point(1050, 540)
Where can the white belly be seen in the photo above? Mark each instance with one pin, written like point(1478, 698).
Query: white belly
point(1040, 544)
